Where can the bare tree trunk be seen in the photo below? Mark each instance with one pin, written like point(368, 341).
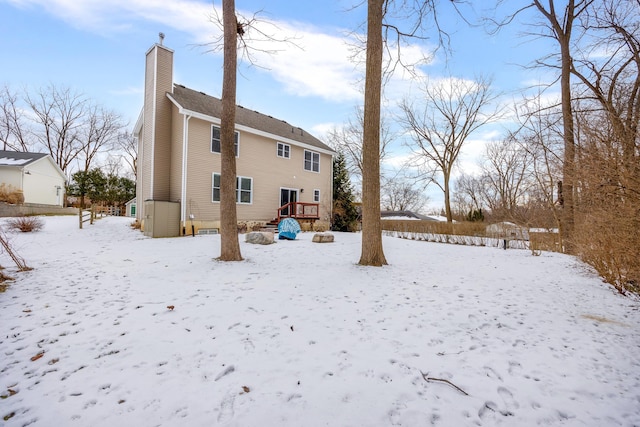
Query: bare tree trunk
point(568, 168)
point(229, 245)
point(562, 33)
point(372, 252)
point(447, 196)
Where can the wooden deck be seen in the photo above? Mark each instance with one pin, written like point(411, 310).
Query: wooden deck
point(299, 210)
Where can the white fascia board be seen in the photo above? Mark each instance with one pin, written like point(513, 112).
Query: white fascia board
point(138, 126)
point(216, 121)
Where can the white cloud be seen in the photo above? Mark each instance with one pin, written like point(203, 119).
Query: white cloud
point(313, 64)
point(319, 65)
point(117, 15)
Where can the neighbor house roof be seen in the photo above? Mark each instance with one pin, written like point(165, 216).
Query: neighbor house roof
point(19, 158)
point(405, 214)
point(199, 102)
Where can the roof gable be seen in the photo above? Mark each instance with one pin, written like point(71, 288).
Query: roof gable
point(20, 159)
point(202, 103)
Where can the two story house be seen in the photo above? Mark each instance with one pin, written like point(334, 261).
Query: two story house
point(282, 170)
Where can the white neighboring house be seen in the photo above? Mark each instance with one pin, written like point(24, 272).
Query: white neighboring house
point(507, 230)
point(35, 174)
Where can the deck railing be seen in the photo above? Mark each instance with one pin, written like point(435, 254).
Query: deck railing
point(299, 210)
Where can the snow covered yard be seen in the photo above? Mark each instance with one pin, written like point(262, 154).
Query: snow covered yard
point(299, 335)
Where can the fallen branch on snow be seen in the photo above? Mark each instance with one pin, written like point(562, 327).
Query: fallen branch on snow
point(4, 241)
point(429, 379)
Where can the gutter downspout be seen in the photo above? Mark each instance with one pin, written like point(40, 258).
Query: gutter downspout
point(185, 152)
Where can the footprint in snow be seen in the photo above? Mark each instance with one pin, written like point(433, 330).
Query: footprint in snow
point(507, 397)
point(227, 407)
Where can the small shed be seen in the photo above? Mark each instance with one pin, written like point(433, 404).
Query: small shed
point(35, 175)
point(130, 207)
point(507, 230)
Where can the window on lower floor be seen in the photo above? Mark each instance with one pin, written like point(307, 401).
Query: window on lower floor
point(316, 195)
point(244, 189)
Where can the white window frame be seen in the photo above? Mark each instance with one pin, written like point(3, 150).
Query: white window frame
point(316, 195)
point(283, 150)
point(239, 190)
point(312, 163)
point(236, 144)
point(213, 187)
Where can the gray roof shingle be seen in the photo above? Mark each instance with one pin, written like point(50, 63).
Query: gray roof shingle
point(18, 158)
point(202, 103)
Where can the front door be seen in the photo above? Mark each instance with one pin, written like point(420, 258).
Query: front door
point(287, 195)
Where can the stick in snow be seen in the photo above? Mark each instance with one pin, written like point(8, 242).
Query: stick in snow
point(429, 379)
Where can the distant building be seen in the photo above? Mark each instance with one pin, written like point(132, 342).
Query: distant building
point(131, 207)
point(35, 176)
point(406, 215)
point(507, 230)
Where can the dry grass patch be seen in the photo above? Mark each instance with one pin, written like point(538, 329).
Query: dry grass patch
point(10, 194)
point(436, 227)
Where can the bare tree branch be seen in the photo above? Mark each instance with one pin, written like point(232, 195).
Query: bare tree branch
point(59, 115)
point(13, 131)
point(256, 36)
point(441, 123)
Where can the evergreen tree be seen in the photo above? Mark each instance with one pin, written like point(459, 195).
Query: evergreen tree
point(100, 188)
point(475, 215)
point(345, 215)
point(87, 184)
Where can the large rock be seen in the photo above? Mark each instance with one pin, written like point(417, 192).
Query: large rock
point(323, 238)
point(259, 237)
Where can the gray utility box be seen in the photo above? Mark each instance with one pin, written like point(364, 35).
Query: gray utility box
point(162, 219)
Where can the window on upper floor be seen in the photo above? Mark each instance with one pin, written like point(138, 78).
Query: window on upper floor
point(284, 150)
point(215, 140)
point(311, 161)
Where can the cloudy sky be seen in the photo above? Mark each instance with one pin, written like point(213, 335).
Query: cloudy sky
point(97, 48)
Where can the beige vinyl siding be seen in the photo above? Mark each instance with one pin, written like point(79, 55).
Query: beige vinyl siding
point(154, 162)
point(141, 177)
point(201, 165)
point(162, 154)
point(177, 136)
point(258, 160)
point(145, 150)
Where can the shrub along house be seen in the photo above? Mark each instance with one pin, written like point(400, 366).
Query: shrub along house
point(282, 170)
